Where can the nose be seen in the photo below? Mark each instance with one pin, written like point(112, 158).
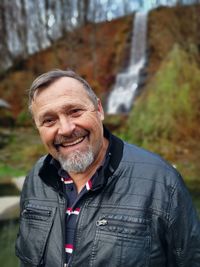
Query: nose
point(66, 126)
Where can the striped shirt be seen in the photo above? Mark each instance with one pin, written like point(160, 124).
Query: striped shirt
point(73, 200)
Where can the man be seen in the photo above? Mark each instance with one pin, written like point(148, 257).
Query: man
point(95, 200)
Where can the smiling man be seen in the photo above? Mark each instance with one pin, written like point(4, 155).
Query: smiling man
point(70, 125)
point(95, 200)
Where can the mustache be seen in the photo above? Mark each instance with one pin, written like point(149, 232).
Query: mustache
point(60, 139)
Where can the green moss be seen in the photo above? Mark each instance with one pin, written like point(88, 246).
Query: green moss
point(9, 171)
point(24, 119)
point(19, 155)
point(168, 102)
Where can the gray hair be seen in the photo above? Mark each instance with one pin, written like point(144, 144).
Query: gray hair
point(50, 77)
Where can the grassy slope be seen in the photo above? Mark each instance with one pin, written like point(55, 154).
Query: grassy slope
point(24, 147)
point(165, 119)
point(173, 112)
point(168, 26)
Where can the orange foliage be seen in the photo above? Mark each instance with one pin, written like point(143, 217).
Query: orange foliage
point(95, 51)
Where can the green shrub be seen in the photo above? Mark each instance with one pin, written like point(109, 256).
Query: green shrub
point(24, 119)
point(168, 104)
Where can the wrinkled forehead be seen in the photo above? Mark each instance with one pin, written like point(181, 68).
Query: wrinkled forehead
point(68, 84)
point(61, 96)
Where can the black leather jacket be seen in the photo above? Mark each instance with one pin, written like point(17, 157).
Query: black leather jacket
point(140, 214)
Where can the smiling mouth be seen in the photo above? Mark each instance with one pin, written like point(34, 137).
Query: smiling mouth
point(72, 143)
point(77, 141)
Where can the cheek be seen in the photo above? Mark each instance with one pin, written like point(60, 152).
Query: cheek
point(97, 129)
point(94, 122)
point(46, 136)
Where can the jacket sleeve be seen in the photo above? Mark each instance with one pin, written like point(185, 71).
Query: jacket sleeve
point(19, 253)
point(21, 263)
point(184, 229)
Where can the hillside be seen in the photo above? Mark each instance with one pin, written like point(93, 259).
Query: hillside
point(166, 115)
point(168, 26)
point(97, 52)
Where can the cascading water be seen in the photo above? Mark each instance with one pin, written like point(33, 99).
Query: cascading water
point(123, 93)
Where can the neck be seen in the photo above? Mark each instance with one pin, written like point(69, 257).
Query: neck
point(80, 179)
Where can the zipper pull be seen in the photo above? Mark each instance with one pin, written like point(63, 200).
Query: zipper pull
point(24, 211)
point(101, 222)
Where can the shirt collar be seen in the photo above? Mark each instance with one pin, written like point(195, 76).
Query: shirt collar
point(94, 178)
point(49, 170)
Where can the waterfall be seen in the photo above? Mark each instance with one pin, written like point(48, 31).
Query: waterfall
point(126, 85)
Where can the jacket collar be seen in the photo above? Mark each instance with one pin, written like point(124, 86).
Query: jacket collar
point(49, 173)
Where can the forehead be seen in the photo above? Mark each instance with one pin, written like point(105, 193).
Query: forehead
point(63, 92)
point(68, 88)
point(62, 86)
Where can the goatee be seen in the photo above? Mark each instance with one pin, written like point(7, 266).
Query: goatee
point(77, 161)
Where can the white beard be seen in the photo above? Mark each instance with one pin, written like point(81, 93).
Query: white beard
point(77, 161)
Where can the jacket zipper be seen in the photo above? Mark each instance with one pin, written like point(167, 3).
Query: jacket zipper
point(101, 222)
point(75, 233)
point(34, 211)
point(114, 222)
point(64, 264)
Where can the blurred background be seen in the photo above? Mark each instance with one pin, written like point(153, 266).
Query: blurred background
point(142, 58)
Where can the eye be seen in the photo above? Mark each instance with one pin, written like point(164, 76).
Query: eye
point(76, 112)
point(47, 122)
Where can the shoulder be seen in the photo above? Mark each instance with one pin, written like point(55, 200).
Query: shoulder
point(37, 166)
point(135, 154)
point(148, 165)
point(150, 181)
point(32, 181)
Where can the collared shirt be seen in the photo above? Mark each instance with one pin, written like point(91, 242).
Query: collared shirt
point(73, 200)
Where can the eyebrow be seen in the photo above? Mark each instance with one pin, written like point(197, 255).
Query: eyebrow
point(63, 108)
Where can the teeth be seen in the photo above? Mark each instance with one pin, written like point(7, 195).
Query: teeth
point(73, 143)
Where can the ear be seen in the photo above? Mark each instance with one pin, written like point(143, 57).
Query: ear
point(100, 110)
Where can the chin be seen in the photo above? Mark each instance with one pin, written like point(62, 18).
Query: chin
point(76, 162)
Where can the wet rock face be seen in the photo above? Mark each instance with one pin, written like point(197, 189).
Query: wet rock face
point(8, 189)
point(6, 126)
point(6, 118)
point(4, 139)
point(4, 104)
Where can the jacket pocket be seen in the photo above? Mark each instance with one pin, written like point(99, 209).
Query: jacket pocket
point(121, 241)
point(35, 225)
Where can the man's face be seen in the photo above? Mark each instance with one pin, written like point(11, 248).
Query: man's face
point(69, 124)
